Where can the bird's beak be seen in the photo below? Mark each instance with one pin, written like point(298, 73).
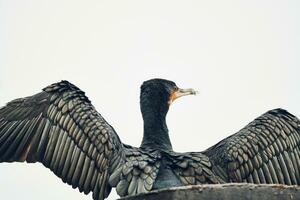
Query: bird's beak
point(180, 93)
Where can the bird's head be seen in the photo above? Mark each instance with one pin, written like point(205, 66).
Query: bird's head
point(156, 97)
point(159, 94)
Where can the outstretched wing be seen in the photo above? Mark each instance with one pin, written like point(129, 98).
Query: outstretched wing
point(265, 151)
point(60, 128)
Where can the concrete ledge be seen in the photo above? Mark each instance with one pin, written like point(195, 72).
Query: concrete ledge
point(231, 191)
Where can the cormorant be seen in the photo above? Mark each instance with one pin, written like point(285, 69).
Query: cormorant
point(60, 128)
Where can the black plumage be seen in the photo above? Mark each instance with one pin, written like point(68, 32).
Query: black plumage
point(60, 128)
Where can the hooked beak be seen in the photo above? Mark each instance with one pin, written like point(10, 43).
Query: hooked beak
point(180, 93)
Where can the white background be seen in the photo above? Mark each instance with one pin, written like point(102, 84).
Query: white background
point(243, 57)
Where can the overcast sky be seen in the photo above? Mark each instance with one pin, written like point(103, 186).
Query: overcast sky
point(243, 57)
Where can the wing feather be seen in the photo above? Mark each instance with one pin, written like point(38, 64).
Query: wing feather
point(271, 143)
point(60, 128)
point(138, 173)
point(192, 168)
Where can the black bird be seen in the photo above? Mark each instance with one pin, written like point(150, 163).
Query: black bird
point(60, 128)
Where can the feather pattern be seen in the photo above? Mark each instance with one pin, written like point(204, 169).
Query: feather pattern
point(192, 168)
point(138, 173)
point(45, 128)
point(268, 148)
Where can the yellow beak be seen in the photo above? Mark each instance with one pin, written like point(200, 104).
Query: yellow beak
point(180, 93)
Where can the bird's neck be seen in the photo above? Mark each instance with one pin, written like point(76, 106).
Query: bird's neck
point(156, 134)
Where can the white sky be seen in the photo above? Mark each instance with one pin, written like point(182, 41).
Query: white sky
point(243, 56)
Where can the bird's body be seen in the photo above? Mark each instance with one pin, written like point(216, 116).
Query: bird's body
point(60, 128)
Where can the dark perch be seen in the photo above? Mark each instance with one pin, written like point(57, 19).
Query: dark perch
point(230, 191)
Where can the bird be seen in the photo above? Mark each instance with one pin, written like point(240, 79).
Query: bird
point(60, 128)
